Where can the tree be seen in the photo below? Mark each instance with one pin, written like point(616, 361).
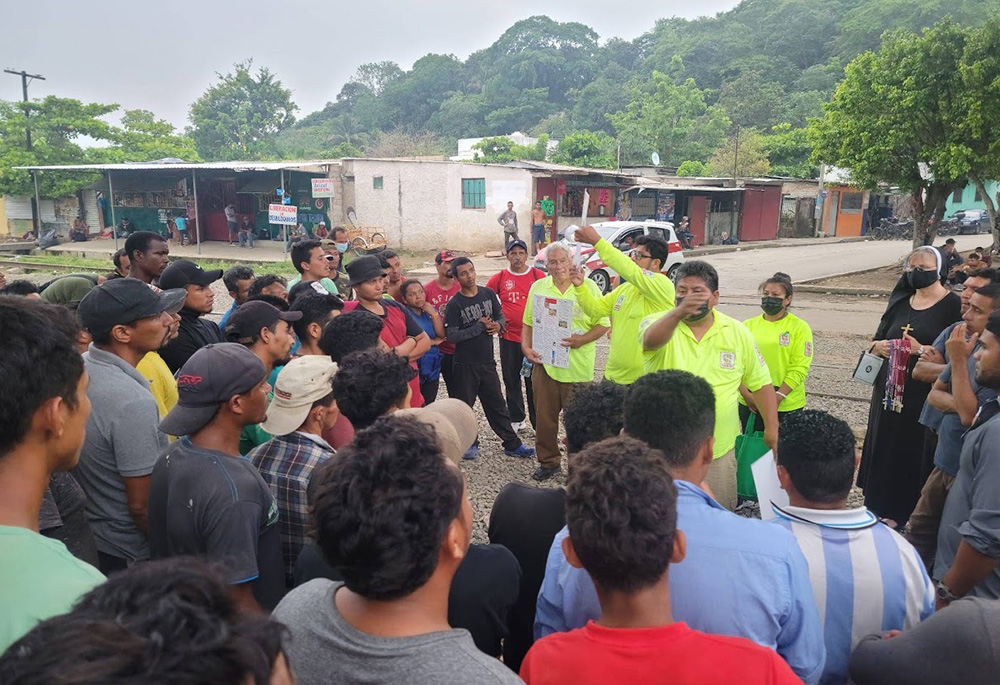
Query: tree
point(402, 143)
point(144, 138)
point(750, 161)
point(895, 119)
point(57, 124)
point(375, 76)
point(692, 168)
point(241, 116)
point(501, 149)
point(789, 151)
point(594, 149)
point(751, 102)
point(673, 120)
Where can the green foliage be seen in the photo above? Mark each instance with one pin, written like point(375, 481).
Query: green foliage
point(241, 116)
point(692, 168)
point(672, 119)
point(594, 149)
point(900, 117)
point(144, 138)
point(789, 152)
point(57, 124)
point(750, 161)
point(501, 149)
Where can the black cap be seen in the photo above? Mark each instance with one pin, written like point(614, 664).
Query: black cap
point(210, 377)
point(364, 269)
point(517, 243)
point(185, 272)
point(245, 323)
point(124, 300)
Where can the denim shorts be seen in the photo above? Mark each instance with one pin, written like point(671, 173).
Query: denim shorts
point(538, 233)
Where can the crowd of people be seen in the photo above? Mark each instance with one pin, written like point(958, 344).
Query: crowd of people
point(279, 496)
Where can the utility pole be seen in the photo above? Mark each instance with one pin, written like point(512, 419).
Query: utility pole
point(35, 209)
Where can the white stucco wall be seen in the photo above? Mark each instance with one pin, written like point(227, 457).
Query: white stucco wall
point(420, 203)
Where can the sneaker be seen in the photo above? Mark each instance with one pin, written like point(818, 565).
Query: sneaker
point(522, 452)
point(518, 426)
point(546, 472)
point(472, 453)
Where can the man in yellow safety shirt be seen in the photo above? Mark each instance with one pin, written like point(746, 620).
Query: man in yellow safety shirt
point(645, 291)
point(697, 338)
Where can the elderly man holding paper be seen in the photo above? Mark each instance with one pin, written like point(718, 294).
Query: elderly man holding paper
point(558, 337)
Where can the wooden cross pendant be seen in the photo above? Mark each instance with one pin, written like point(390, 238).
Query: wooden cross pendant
point(907, 329)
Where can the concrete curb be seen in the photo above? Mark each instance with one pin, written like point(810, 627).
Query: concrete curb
point(764, 244)
point(809, 285)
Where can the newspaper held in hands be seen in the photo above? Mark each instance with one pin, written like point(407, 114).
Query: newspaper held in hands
point(551, 323)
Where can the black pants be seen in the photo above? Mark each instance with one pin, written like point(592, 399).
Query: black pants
point(511, 358)
point(480, 380)
point(429, 390)
point(109, 563)
point(447, 373)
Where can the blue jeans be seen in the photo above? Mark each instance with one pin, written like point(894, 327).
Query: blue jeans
point(538, 233)
point(247, 238)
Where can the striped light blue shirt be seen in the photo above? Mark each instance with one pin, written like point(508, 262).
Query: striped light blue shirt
point(866, 578)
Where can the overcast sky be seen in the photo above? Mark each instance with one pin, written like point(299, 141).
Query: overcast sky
point(161, 56)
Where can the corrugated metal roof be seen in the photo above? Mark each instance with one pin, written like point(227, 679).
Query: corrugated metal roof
point(186, 166)
point(656, 184)
point(534, 165)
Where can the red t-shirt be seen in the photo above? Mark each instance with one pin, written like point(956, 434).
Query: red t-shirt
point(439, 297)
point(397, 326)
point(512, 289)
point(673, 654)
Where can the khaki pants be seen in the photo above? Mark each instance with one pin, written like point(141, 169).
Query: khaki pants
point(922, 528)
point(721, 479)
point(550, 399)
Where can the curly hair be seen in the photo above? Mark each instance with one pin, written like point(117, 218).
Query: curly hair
point(671, 411)
point(172, 621)
point(817, 450)
point(40, 361)
point(382, 507)
point(141, 242)
point(350, 332)
point(19, 287)
point(621, 510)
point(594, 413)
point(369, 383)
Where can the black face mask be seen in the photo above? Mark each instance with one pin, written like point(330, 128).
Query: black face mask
point(702, 313)
point(772, 305)
point(919, 279)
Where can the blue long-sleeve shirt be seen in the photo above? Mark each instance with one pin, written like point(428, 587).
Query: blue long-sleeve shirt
point(740, 577)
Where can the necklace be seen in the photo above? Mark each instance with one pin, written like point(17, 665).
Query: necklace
point(913, 316)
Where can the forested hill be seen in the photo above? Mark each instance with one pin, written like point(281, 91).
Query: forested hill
point(679, 89)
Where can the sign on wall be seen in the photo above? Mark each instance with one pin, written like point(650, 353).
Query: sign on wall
point(322, 187)
point(282, 214)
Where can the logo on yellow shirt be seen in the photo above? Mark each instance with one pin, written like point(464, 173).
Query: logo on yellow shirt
point(618, 302)
point(727, 360)
point(785, 339)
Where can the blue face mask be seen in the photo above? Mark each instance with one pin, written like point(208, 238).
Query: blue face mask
point(342, 247)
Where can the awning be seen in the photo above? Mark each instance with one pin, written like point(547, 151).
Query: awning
point(319, 166)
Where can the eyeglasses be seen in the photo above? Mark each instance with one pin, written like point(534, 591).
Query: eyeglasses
point(641, 255)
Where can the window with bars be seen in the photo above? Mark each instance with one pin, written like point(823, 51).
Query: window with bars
point(473, 193)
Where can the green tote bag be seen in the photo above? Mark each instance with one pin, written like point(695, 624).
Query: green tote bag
point(750, 447)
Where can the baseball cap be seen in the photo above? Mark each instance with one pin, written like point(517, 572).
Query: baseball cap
point(210, 377)
point(453, 421)
point(444, 256)
point(300, 383)
point(517, 243)
point(124, 300)
point(328, 244)
point(245, 323)
point(185, 272)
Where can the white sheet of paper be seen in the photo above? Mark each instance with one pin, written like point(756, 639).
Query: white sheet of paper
point(586, 206)
point(765, 477)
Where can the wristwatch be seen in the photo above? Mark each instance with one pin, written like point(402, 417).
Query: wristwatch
point(944, 593)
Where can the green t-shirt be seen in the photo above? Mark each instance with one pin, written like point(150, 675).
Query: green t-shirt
point(787, 346)
point(643, 293)
point(39, 579)
point(582, 359)
point(328, 284)
point(726, 356)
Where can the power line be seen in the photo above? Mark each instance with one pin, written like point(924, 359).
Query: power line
point(27, 139)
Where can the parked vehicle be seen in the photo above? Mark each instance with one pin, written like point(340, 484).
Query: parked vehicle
point(621, 234)
point(972, 221)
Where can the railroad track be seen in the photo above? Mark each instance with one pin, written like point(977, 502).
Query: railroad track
point(35, 266)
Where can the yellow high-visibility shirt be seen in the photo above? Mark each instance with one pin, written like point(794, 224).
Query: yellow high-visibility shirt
point(643, 293)
point(787, 346)
point(726, 356)
point(582, 359)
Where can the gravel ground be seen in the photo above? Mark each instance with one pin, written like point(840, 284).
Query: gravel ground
point(836, 355)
